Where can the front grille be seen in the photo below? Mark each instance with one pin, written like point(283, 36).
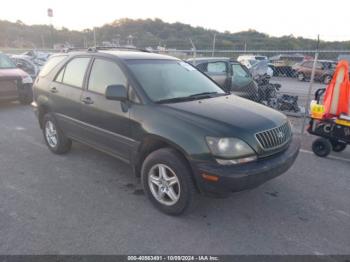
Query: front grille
point(275, 137)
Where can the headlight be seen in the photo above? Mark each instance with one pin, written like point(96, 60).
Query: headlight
point(231, 149)
point(27, 80)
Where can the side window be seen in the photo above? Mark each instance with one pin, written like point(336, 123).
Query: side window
point(216, 67)
point(50, 64)
point(239, 70)
point(103, 74)
point(202, 67)
point(75, 71)
point(59, 77)
point(132, 96)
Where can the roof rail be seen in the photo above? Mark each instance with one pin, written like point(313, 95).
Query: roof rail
point(71, 49)
point(97, 48)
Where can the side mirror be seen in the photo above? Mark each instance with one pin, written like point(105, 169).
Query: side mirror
point(116, 92)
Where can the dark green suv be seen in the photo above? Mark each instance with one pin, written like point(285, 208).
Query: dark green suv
point(177, 128)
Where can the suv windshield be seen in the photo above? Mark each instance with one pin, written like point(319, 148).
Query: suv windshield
point(6, 62)
point(172, 80)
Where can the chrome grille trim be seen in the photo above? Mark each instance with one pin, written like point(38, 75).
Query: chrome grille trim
point(274, 138)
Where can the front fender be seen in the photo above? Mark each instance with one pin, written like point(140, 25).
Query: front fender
point(182, 134)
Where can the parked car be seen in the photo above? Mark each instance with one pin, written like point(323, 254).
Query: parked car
point(251, 57)
point(38, 57)
point(24, 63)
point(344, 57)
point(15, 84)
point(229, 74)
point(282, 64)
point(250, 60)
point(179, 130)
point(324, 70)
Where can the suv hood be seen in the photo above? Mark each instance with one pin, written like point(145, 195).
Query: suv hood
point(228, 116)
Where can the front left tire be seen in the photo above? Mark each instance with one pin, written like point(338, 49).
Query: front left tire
point(322, 147)
point(167, 181)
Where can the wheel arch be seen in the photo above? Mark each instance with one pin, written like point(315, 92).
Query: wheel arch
point(152, 143)
point(42, 111)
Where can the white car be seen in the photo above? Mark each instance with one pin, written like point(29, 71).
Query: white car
point(250, 60)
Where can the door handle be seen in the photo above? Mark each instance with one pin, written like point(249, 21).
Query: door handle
point(53, 90)
point(87, 100)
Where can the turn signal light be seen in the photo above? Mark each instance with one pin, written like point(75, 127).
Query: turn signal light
point(210, 177)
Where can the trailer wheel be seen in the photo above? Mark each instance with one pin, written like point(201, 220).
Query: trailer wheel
point(338, 146)
point(321, 147)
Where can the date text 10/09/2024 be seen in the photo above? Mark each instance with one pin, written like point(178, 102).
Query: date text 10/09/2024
point(173, 258)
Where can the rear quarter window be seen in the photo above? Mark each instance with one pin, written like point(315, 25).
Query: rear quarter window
point(50, 64)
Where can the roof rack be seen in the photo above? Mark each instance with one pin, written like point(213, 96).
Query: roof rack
point(97, 48)
point(70, 49)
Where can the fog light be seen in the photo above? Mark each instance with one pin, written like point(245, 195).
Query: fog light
point(236, 161)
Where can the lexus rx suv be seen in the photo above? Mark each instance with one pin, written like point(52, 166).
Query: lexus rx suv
point(178, 129)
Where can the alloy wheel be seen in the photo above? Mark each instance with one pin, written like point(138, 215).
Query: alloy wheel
point(51, 134)
point(300, 77)
point(164, 184)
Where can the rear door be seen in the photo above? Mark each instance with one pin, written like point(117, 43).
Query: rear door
point(106, 122)
point(218, 71)
point(66, 91)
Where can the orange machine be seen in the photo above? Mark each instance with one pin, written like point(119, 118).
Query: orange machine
point(337, 96)
point(331, 120)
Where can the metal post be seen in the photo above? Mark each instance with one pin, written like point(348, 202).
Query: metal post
point(194, 51)
point(214, 40)
point(95, 37)
point(50, 15)
point(42, 41)
point(308, 99)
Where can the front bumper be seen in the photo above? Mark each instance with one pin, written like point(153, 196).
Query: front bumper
point(241, 177)
point(8, 89)
point(35, 108)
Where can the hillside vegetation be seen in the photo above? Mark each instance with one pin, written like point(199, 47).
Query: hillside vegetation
point(151, 33)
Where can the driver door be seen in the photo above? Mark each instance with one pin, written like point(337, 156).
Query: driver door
point(242, 82)
point(218, 71)
point(106, 122)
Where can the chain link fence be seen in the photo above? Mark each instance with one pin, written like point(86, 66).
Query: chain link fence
point(285, 80)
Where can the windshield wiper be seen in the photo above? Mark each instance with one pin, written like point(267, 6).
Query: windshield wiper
point(189, 98)
point(175, 99)
point(204, 94)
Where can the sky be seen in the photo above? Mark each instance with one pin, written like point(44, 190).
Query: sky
point(306, 18)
